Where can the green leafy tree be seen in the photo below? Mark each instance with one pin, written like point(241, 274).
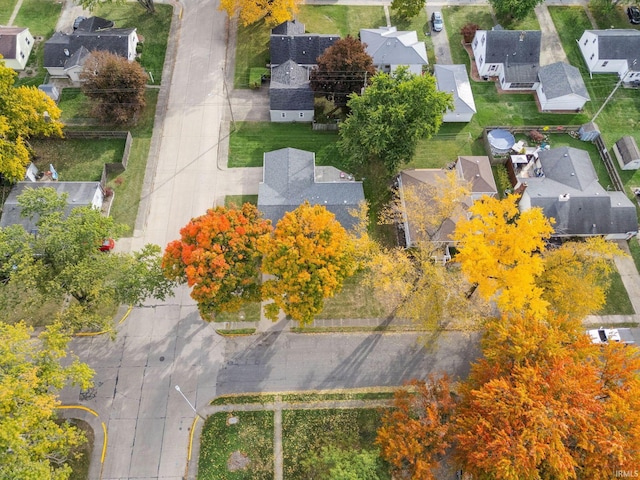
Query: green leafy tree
point(310, 255)
point(407, 8)
point(25, 112)
point(115, 85)
point(344, 68)
point(62, 258)
point(333, 463)
point(217, 255)
point(32, 443)
point(390, 117)
point(514, 9)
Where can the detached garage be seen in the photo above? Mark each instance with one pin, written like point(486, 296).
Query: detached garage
point(627, 153)
point(561, 88)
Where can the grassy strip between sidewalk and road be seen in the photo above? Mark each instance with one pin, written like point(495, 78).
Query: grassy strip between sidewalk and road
point(236, 332)
point(311, 396)
point(239, 200)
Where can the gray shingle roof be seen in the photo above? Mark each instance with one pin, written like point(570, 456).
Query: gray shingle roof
point(560, 79)
point(9, 41)
point(80, 195)
point(387, 45)
point(292, 27)
point(290, 178)
point(454, 79)
point(290, 88)
point(93, 24)
point(525, 73)
point(115, 40)
point(304, 49)
point(619, 44)
point(513, 47)
point(570, 193)
point(628, 149)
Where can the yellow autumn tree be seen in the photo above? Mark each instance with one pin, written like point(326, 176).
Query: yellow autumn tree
point(499, 250)
point(310, 255)
point(25, 112)
point(576, 276)
point(274, 12)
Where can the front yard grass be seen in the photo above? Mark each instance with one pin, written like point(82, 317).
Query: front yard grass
point(250, 438)
point(250, 312)
point(239, 200)
point(354, 301)
point(306, 432)
point(608, 16)
point(617, 302)
point(6, 9)
point(40, 16)
point(251, 140)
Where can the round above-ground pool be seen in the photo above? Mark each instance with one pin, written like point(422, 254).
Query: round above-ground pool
point(501, 141)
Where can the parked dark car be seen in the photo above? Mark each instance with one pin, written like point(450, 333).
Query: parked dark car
point(633, 13)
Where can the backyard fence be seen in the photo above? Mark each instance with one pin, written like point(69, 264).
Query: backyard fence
point(324, 126)
point(112, 167)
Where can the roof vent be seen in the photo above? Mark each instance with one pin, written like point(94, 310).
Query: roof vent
point(564, 197)
point(66, 52)
point(522, 36)
point(565, 155)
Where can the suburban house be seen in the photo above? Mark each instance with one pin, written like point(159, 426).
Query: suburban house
point(453, 79)
point(390, 49)
point(80, 194)
point(565, 185)
point(612, 51)
point(511, 55)
point(290, 177)
point(424, 181)
point(15, 46)
point(64, 54)
point(561, 87)
point(293, 54)
point(627, 153)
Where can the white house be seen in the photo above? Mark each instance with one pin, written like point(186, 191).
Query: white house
point(16, 44)
point(612, 51)
point(390, 49)
point(561, 88)
point(453, 79)
point(511, 55)
point(65, 54)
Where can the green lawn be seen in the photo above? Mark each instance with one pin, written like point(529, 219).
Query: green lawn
point(248, 313)
point(40, 16)
point(618, 302)
point(77, 159)
point(457, 17)
point(251, 140)
point(614, 17)
point(252, 45)
point(154, 29)
point(354, 301)
point(251, 437)
point(305, 432)
point(6, 9)
point(634, 247)
point(239, 200)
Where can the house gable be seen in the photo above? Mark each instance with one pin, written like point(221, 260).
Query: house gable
point(290, 178)
point(388, 46)
point(16, 44)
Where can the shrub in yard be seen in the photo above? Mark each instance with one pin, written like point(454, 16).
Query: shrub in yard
point(469, 31)
point(536, 136)
point(116, 85)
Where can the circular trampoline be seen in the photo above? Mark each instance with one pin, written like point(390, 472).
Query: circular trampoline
point(501, 141)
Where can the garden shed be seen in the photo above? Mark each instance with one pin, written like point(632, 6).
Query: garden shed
point(627, 153)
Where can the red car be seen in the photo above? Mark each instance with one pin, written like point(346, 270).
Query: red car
point(107, 245)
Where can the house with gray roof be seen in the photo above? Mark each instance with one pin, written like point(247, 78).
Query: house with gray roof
point(390, 48)
point(627, 153)
point(513, 56)
point(293, 54)
point(612, 51)
point(290, 176)
point(16, 44)
point(453, 79)
point(290, 94)
point(566, 187)
point(65, 54)
point(561, 88)
point(80, 194)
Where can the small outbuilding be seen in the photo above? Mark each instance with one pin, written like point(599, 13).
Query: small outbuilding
point(627, 153)
point(454, 79)
point(561, 87)
point(16, 44)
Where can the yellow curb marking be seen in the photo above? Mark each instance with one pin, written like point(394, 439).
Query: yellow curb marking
point(93, 412)
point(193, 429)
point(93, 334)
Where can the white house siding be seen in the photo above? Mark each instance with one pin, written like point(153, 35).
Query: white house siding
point(56, 71)
point(457, 117)
point(24, 45)
point(525, 202)
point(74, 73)
point(589, 47)
point(565, 102)
point(133, 44)
point(288, 116)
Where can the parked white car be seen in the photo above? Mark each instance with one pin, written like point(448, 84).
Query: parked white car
point(606, 335)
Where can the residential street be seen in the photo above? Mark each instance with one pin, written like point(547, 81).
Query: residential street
point(164, 344)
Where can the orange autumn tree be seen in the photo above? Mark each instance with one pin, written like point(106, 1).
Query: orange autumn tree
point(415, 434)
point(310, 255)
point(498, 249)
point(544, 403)
point(217, 255)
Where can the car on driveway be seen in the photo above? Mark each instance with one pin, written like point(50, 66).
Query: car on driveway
point(633, 13)
point(606, 335)
point(436, 21)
